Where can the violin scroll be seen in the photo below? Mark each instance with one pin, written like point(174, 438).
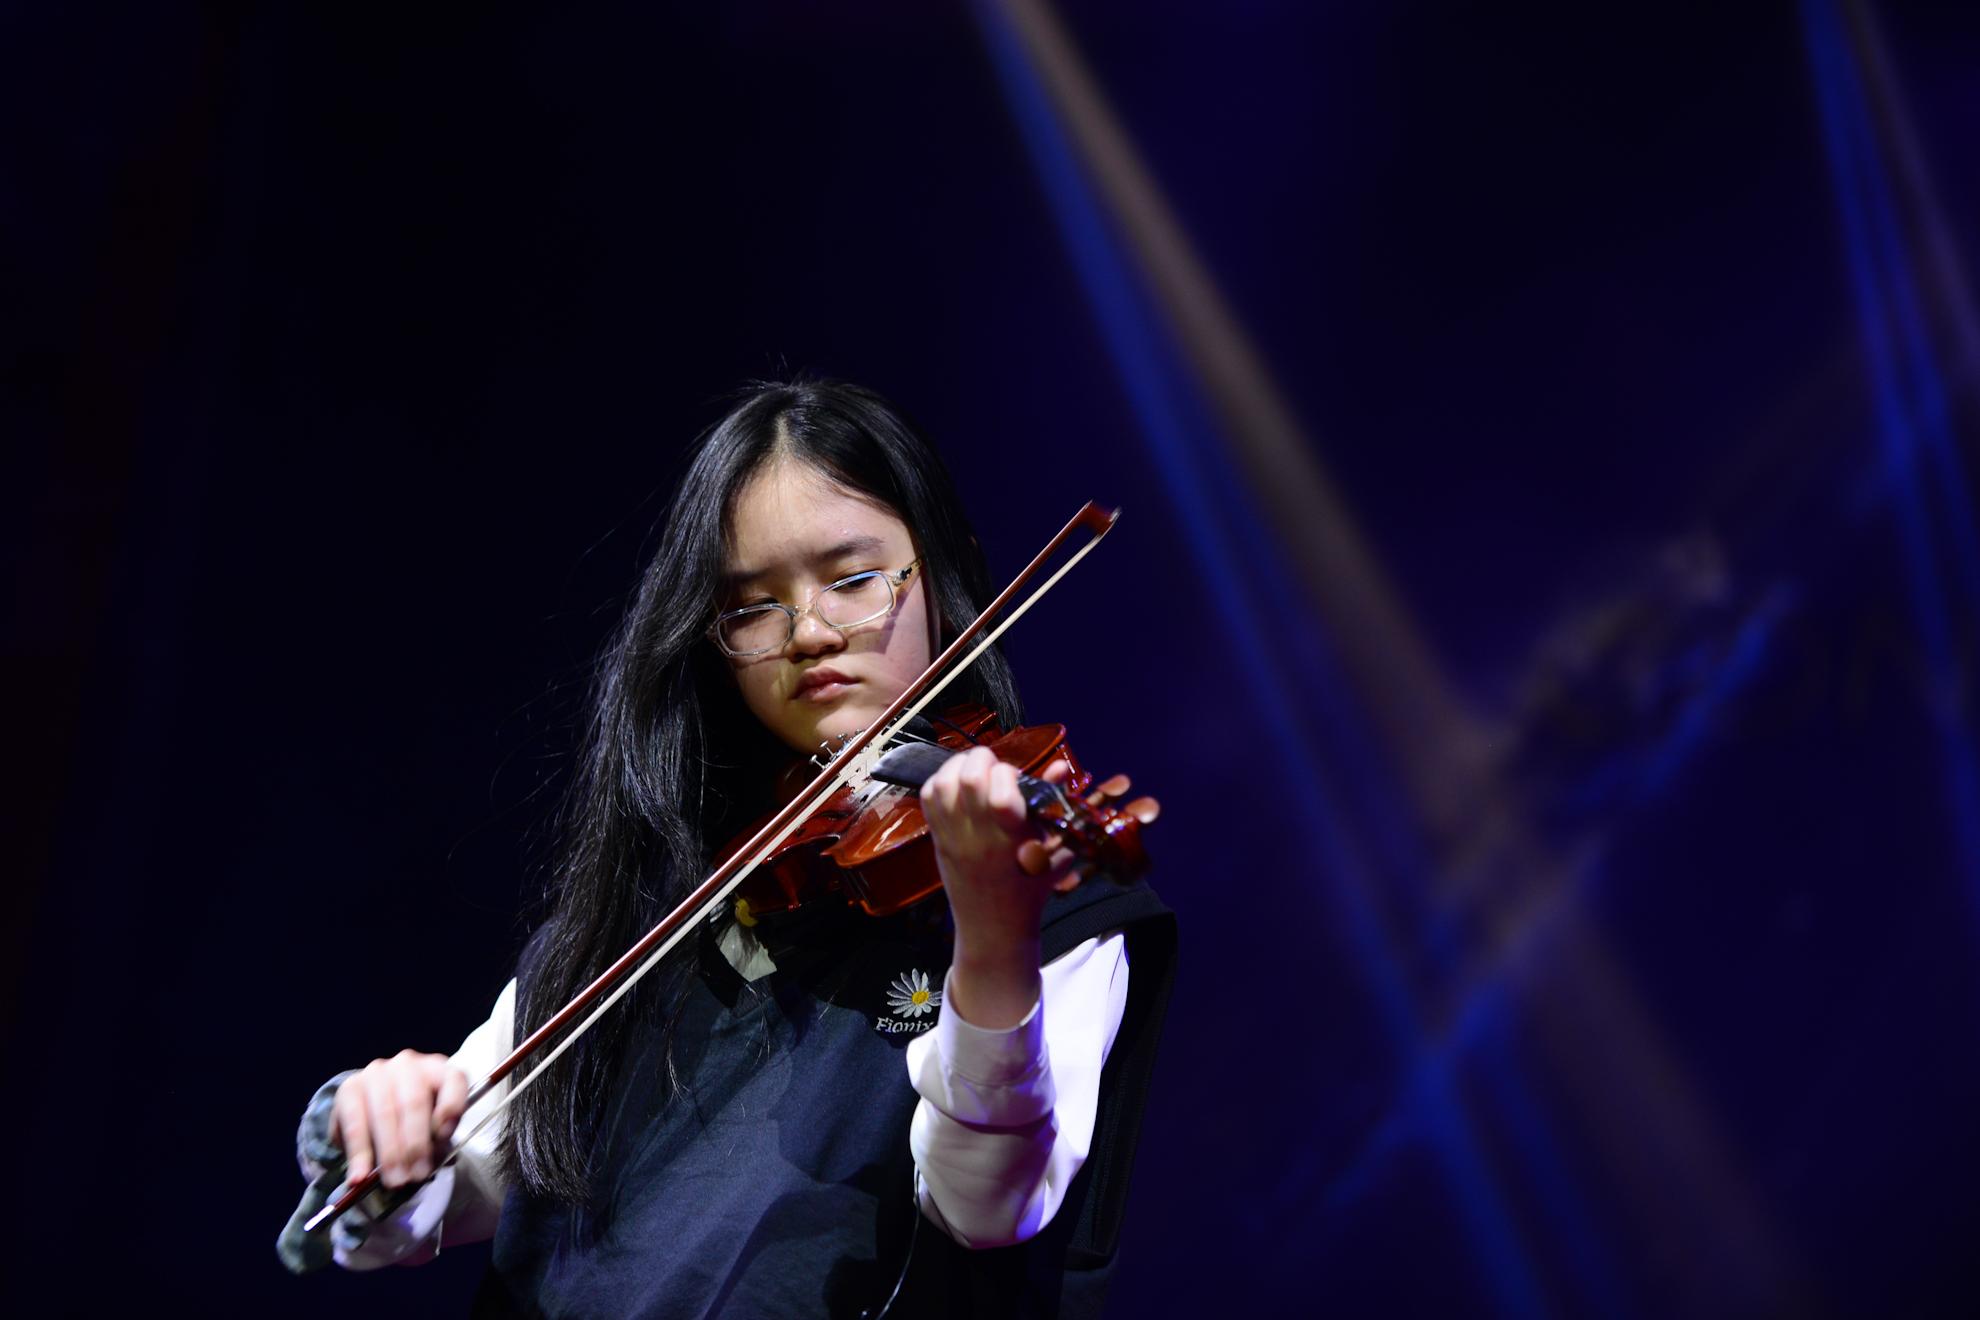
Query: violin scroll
point(1121, 828)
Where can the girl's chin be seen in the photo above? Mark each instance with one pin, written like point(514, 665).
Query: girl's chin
point(844, 721)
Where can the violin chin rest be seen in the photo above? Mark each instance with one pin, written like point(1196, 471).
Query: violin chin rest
point(910, 765)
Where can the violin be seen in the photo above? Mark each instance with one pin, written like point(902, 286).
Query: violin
point(880, 866)
point(868, 844)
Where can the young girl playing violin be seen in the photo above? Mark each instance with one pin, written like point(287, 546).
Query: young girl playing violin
point(761, 1128)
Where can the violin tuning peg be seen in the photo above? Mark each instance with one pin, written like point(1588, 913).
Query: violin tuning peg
point(1108, 791)
point(1144, 809)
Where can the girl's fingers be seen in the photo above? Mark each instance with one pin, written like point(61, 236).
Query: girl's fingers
point(394, 1116)
point(415, 1117)
point(1004, 797)
point(958, 786)
point(1038, 857)
point(977, 812)
point(989, 787)
point(381, 1101)
point(353, 1127)
point(974, 775)
point(452, 1101)
point(939, 793)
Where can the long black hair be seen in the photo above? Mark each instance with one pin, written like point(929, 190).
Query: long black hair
point(673, 764)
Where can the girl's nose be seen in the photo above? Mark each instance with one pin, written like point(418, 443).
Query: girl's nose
point(813, 636)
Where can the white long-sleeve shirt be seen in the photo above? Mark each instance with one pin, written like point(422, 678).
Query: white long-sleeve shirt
point(1004, 1122)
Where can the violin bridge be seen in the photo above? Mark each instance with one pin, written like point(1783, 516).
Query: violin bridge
point(859, 774)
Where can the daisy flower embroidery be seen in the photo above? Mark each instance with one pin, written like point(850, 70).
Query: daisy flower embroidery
point(910, 997)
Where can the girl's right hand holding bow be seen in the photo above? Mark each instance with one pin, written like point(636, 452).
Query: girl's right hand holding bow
point(399, 1113)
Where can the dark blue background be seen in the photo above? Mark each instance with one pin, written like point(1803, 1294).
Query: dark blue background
point(348, 354)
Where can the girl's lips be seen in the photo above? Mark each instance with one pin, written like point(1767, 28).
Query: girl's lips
point(822, 685)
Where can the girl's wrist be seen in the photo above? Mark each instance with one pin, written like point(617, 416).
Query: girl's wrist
point(997, 987)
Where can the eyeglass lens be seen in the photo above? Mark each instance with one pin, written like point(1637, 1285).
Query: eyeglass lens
point(859, 599)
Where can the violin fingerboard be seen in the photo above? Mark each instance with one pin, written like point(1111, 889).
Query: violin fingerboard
point(910, 765)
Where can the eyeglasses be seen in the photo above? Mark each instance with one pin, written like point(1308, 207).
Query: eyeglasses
point(847, 603)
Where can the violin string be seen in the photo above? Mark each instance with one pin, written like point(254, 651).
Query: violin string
point(717, 900)
point(959, 729)
point(990, 639)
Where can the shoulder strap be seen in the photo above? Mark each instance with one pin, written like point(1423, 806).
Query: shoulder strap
point(1150, 929)
point(1093, 909)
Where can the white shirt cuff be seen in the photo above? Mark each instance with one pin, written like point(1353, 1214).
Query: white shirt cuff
point(984, 1077)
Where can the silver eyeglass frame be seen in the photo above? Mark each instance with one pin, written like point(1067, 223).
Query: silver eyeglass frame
point(895, 580)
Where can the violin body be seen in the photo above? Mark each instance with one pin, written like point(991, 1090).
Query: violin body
point(868, 845)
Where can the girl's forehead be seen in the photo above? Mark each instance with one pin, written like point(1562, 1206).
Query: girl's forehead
point(790, 515)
